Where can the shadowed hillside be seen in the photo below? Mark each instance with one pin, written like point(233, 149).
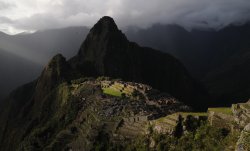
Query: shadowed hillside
point(217, 58)
point(22, 56)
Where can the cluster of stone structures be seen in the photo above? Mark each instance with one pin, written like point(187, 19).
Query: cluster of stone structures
point(236, 118)
point(150, 105)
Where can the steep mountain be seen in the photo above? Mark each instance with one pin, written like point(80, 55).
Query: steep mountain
point(22, 56)
point(228, 79)
point(107, 52)
point(64, 110)
point(192, 49)
point(207, 54)
point(217, 58)
point(32, 104)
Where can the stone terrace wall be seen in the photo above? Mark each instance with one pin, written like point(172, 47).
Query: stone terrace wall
point(135, 119)
point(220, 120)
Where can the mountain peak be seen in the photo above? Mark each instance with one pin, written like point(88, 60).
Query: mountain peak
point(104, 36)
point(57, 59)
point(56, 71)
point(106, 23)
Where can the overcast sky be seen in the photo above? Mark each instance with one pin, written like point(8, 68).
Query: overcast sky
point(29, 15)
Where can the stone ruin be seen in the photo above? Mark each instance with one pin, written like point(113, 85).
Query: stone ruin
point(237, 120)
point(241, 113)
point(220, 120)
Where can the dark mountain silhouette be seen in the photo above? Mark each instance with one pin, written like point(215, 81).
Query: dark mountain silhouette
point(217, 58)
point(194, 49)
point(204, 53)
point(107, 52)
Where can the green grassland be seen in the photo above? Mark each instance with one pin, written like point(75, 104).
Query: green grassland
point(117, 90)
point(111, 91)
point(224, 110)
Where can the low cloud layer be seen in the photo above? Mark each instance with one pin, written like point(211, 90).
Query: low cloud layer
point(29, 15)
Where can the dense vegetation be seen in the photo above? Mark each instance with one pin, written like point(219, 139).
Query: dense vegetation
point(204, 138)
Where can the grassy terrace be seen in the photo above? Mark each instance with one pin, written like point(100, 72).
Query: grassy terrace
point(113, 92)
point(224, 110)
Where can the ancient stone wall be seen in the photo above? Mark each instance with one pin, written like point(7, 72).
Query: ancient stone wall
point(220, 120)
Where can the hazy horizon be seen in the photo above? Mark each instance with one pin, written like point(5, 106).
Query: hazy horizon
point(28, 16)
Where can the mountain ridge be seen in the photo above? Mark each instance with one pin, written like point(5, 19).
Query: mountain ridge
point(109, 53)
point(172, 39)
point(208, 56)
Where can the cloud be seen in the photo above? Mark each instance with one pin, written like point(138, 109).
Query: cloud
point(44, 14)
point(6, 5)
point(5, 20)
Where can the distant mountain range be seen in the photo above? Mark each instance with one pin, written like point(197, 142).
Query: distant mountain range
point(23, 56)
point(220, 59)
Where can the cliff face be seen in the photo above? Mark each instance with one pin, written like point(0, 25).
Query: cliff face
point(106, 51)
